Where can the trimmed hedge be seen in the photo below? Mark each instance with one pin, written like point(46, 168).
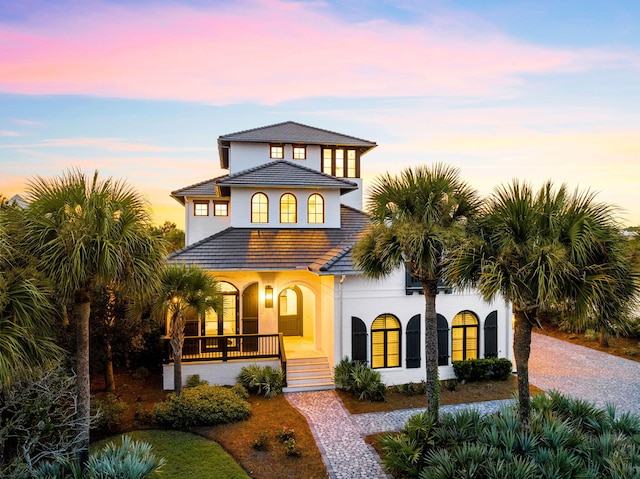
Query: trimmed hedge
point(202, 406)
point(471, 370)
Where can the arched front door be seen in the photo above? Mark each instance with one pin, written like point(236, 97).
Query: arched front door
point(290, 311)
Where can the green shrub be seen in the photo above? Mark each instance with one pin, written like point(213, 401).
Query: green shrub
point(240, 390)
point(261, 443)
point(130, 460)
point(360, 379)
point(194, 380)
point(291, 448)
point(109, 411)
point(590, 335)
point(411, 389)
point(141, 373)
point(202, 406)
point(342, 374)
point(264, 380)
point(471, 370)
point(568, 438)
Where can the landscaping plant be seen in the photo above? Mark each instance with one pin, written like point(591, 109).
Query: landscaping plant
point(202, 406)
point(568, 438)
point(264, 380)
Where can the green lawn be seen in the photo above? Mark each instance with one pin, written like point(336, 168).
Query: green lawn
point(188, 456)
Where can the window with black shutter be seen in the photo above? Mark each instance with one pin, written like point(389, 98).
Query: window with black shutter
point(491, 335)
point(358, 340)
point(413, 342)
point(443, 341)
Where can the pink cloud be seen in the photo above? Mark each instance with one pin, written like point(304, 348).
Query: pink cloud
point(260, 50)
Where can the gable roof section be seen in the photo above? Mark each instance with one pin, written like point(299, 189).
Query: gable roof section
point(203, 188)
point(292, 132)
point(284, 173)
point(248, 249)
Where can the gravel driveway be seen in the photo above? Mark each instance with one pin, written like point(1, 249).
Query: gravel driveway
point(585, 373)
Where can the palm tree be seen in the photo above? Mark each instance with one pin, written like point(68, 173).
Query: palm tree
point(26, 313)
point(186, 291)
point(90, 233)
point(415, 218)
point(544, 251)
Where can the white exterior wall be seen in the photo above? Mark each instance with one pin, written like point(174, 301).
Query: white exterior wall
point(367, 299)
point(200, 227)
point(353, 198)
point(221, 373)
point(243, 156)
point(241, 212)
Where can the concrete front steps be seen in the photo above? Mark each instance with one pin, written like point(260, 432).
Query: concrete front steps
point(309, 374)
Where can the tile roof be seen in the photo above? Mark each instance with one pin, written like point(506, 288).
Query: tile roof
point(203, 188)
point(292, 132)
point(248, 249)
point(285, 173)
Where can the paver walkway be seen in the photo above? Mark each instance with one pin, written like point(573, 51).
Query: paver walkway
point(584, 373)
point(554, 364)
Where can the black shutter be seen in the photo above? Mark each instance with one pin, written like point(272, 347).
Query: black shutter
point(413, 342)
point(358, 340)
point(443, 341)
point(491, 335)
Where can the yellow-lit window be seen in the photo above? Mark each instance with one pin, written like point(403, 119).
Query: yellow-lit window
point(385, 342)
point(315, 210)
point(277, 152)
point(259, 208)
point(299, 152)
point(288, 209)
point(327, 166)
point(464, 336)
point(351, 163)
point(339, 163)
point(201, 208)
point(220, 208)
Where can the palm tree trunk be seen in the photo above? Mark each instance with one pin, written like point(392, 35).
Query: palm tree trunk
point(109, 380)
point(522, 351)
point(431, 348)
point(176, 340)
point(604, 339)
point(82, 311)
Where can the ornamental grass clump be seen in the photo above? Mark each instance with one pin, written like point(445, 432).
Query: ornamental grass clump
point(264, 380)
point(358, 378)
point(568, 438)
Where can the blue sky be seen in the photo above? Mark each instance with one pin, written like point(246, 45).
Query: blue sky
point(501, 89)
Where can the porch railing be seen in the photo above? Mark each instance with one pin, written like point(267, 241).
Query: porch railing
point(224, 348)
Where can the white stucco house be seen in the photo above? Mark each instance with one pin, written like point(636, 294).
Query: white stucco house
point(277, 232)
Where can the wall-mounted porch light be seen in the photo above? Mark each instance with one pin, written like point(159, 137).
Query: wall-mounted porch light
point(268, 296)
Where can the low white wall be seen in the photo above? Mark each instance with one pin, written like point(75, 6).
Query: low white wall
point(221, 373)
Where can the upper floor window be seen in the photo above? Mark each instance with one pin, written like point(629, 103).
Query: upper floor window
point(340, 162)
point(220, 208)
point(259, 208)
point(315, 209)
point(277, 152)
point(288, 209)
point(200, 208)
point(299, 152)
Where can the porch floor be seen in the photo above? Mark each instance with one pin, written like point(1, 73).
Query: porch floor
point(297, 347)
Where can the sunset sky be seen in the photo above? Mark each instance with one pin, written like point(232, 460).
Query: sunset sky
point(141, 89)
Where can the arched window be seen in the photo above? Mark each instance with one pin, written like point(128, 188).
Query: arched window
point(315, 209)
point(288, 208)
point(385, 342)
point(259, 208)
point(464, 336)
